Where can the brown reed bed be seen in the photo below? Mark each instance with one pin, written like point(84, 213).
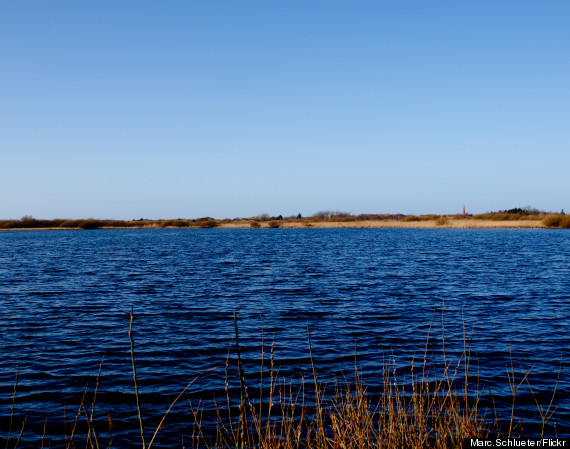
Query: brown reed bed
point(427, 406)
point(557, 221)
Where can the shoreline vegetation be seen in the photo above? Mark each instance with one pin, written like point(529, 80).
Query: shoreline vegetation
point(436, 402)
point(513, 218)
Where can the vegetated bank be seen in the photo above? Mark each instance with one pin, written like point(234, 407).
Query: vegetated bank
point(512, 218)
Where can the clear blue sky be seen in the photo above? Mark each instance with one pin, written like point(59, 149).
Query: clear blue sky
point(128, 109)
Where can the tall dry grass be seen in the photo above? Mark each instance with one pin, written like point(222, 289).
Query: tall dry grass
point(428, 406)
point(435, 405)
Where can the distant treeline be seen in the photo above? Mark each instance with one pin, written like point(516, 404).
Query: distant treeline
point(91, 223)
point(549, 219)
point(27, 222)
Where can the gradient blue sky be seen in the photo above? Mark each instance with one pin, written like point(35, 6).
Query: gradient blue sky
point(128, 109)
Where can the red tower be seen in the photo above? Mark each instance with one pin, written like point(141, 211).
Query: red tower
point(464, 209)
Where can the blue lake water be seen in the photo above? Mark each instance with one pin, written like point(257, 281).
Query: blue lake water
point(66, 296)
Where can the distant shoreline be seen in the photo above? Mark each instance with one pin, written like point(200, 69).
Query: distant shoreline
point(519, 219)
point(359, 224)
point(394, 224)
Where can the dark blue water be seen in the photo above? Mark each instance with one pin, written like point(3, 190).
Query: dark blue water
point(66, 296)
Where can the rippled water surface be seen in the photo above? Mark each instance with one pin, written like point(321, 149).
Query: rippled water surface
point(66, 296)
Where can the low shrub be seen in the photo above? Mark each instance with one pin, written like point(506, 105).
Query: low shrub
point(29, 222)
point(509, 215)
point(343, 219)
point(411, 218)
point(506, 216)
point(208, 224)
point(254, 224)
point(118, 224)
point(68, 224)
point(89, 224)
point(273, 224)
point(441, 221)
point(178, 223)
point(9, 224)
point(331, 215)
point(557, 221)
point(552, 220)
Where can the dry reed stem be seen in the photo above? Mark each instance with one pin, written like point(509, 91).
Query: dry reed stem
point(242, 415)
point(71, 442)
point(197, 426)
point(427, 410)
point(546, 416)
point(44, 433)
point(91, 429)
point(419, 407)
point(135, 379)
point(12, 408)
point(321, 437)
point(514, 389)
point(174, 402)
point(21, 432)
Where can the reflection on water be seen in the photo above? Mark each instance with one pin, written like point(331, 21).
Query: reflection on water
point(66, 298)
